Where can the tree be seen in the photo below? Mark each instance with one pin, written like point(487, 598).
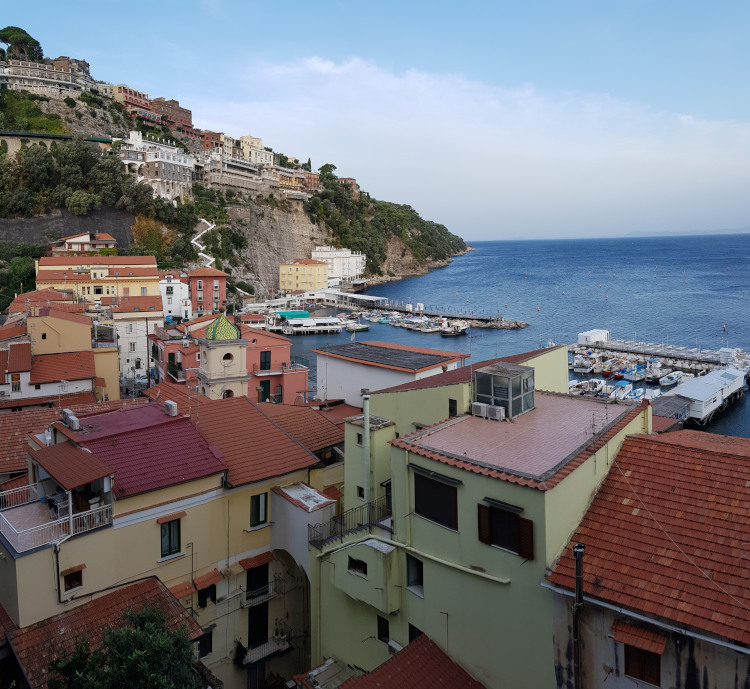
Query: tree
point(143, 653)
point(21, 46)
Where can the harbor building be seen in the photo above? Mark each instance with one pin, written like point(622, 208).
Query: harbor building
point(302, 274)
point(438, 500)
point(344, 265)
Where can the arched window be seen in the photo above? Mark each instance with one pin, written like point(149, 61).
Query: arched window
point(228, 358)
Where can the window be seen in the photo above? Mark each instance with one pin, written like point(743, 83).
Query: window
point(258, 509)
point(15, 382)
point(358, 567)
point(227, 358)
point(436, 501)
point(129, 328)
point(206, 594)
point(170, 290)
point(414, 576)
point(360, 492)
point(73, 580)
point(44, 336)
point(98, 289)
point(170, 538)
point(360, 439)
point(265, 361)
point(205, 643)
point(500, 525)
point(384, 632)
point(131, 345)
point(200, 284)
point(643, 665)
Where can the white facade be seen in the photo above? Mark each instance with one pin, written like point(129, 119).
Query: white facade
point(175, 298)
point(343, 264)
point(133, 329)
point(22, 389)
point(253, 151)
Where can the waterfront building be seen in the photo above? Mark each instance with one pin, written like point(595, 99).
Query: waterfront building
point(302, 274)
point(344, 265)
point(89, 278)
point(664, 581)
point(167, 169)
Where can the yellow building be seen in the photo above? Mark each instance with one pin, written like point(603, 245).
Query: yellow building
point(92, 277)
point(468, 492)
point(303, 274)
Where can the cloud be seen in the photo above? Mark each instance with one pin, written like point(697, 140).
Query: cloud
point(492, 162)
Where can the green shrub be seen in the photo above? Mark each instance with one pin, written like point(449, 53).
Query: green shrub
point(69, 102)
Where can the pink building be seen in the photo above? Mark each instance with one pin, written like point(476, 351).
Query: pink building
point(208, 290)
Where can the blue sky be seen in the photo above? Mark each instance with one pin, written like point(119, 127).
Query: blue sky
point(502, 120)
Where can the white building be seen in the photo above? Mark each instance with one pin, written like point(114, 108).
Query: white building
point(168, 170)
point(343, 264)
point(175, 297)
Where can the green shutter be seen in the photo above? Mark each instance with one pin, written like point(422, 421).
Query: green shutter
point(484, 524)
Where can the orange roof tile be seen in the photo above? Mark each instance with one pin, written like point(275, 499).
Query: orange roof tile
point(665, 534)
point(257, 561)
point(227, 424)
point(650, 640)
point(309, 427)
point(38, 645)
point(206, 272)
point(15, 426)
point(338, 412)
point(182, 590)
point(71, 466)
point(420, 665)
point(263, 336)
point(50, 368)
point(19, 357)
point(205, 580)
point(132, 304)
point(60, 401)
point(10, 331)
point(53, 312)
point(187, 400)
point(104, 261)
point(36, 297)
point(73, 277)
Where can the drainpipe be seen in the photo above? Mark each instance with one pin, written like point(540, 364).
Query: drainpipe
point(578, 550)
point(366, 443)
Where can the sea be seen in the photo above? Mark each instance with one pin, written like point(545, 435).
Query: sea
point(691, 291)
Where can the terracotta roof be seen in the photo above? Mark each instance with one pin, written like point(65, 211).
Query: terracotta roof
point(73, 277)
point(187, 400)
point(132, 304)
point(666, 533)
point(228, 423)
point(651, 640)
point(257, 561)
point(146, 448)
point(37, 645)
point(36, 297)
point(463, 374)
point(662, 424)
point(17, 482)
point(19, 357)
point(420, 665)
point(59, 401)
point(182, 590)
point(391, 356)
point(185, 325)
point(54, 312)
point(99, 236)
point(309, 427)
point(205, 580)
point(104, 261)
point(15, 426)
point(337, 413)
point(6, 624)
point(70, 466)
point(303, 262)
point(51, 368)
point(539, 449)
point(206, 272)
point(263, 336)
point(9, 331)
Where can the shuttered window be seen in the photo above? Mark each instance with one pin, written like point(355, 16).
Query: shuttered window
point(506, 529)
point(436, 501)
point(643, 665)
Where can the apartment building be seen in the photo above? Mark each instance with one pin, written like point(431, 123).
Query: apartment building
point(344, 265)
point(302, 274)
point(173, 111)
point(208, 290)
point(45, 77)
point(221, 170)
point(253, 151)
point(175, 297)
point(84, 243)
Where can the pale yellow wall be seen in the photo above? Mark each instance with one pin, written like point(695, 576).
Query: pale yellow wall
point(323, 476)
point(86, 288)
point(8, 584)
point(354, 471)
point(302, 277)
point(61, 335)
point(106, 364)
point(551, 370)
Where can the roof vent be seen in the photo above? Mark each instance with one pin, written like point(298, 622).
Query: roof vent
point(71, 420)
point(170, 408)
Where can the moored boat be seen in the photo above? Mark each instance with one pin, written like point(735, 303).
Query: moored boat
point(452, 328)
point(671, 379)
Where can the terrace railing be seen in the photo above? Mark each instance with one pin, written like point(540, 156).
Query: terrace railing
point(363, 518)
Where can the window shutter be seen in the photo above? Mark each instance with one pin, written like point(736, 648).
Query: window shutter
point(526, 538)
point(484, 523)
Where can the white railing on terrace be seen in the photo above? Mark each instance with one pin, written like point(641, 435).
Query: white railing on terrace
point(53, 531)
point(18, 496)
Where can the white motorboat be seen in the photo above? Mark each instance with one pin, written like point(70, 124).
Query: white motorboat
point(671, 379)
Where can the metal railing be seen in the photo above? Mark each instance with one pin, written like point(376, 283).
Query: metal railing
point(278, 643)
point(54, 531)
point(362, 518)
point(18, 496)
point(275, 587)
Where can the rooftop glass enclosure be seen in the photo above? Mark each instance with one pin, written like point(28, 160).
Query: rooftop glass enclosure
point(506, 385)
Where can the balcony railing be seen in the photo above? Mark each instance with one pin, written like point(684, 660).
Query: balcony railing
point(278, 643)
point(18, 496)
point(176, 372)
point(275, 587)
point(363, 518)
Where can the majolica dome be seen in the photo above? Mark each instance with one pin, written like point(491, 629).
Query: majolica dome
point(222, 329)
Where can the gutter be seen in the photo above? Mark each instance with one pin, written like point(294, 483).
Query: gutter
point(649, 620)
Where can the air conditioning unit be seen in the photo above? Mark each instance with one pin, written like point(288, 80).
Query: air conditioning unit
point(479, 409)
point(3, 393)
point(186, 343)
point(170, 408)
point(496, 413)
point(71, 420)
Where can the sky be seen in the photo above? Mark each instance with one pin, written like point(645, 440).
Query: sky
point(501, 120)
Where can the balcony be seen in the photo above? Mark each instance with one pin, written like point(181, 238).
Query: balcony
point(27, 522)
point(176, 373)
point(274, 645)
point(376, 514)
point(284, 368)
point(275, 587)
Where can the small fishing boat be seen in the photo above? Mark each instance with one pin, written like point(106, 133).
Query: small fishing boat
point(430, 327)
point(635, 375)
point(636, 394)
point(583, 363)
point(671, 379)
point(356, 326)
point(453, 328)
point(622, 388)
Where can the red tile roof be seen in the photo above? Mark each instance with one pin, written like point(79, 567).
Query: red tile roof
point(15, 330)
point(54, 312)
point(19, 357)
point(38, 297)
point(206, 272)
point(650, 640)
point(309, 427)
point(146, 448)
point(257, 561)
point(15, 426)
point(74, 277)
point(51, 368)
point(132, 304)
point(205, 580)
point(59, 401)
point(539, 449)
point(17, 482)
point(188, 400)
point(662, 424)
point(263, 336)
point(420, 665)
point(185, 325)
point(37, 645)
point(666, 533)
point(337, 413)
point(104, 261)
point(228, 423)
point(70, 466)
point(182, 590)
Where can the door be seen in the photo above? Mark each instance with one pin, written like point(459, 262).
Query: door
point(257, 580)
point(257, 625)
point(265, 392)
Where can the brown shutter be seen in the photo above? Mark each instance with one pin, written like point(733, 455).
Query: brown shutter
point(526, 538)
point(484, 523)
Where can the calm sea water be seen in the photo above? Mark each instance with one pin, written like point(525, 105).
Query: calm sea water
point(688, 291)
